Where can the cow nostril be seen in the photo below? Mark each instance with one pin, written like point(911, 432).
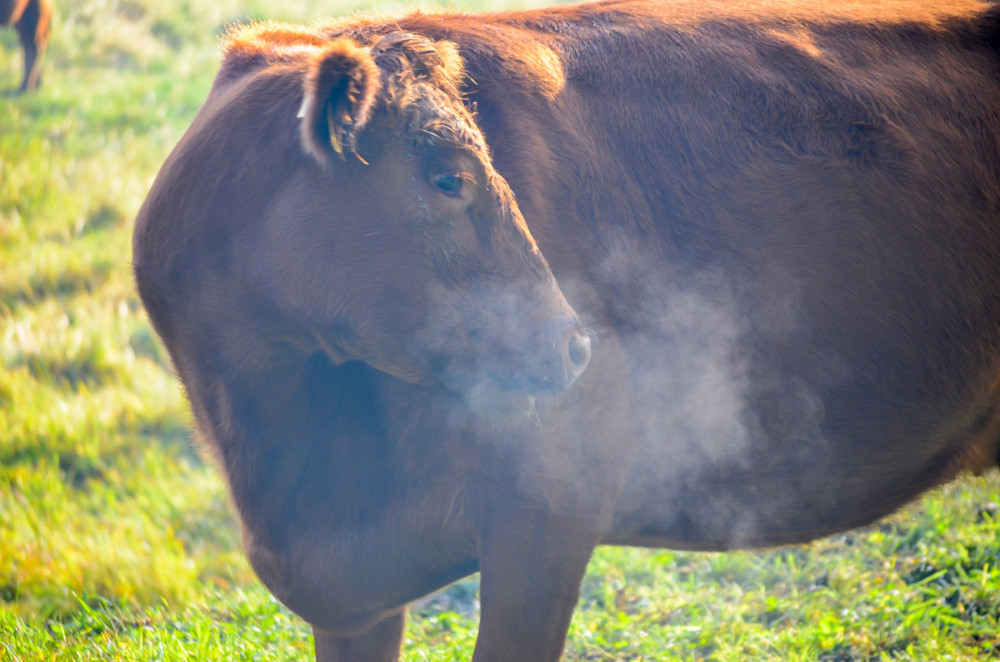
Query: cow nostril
point(579, 351)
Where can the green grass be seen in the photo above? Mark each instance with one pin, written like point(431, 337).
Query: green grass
point(116, 539)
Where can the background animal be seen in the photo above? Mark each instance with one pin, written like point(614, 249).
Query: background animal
point(777, 221)
point(31, 19)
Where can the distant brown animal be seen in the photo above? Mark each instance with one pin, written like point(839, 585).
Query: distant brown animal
point(778, 222)
point(31, 19)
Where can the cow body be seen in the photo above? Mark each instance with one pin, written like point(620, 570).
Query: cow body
point(781, 226)
point(31, 19)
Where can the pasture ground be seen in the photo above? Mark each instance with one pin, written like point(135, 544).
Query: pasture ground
point(116, 539)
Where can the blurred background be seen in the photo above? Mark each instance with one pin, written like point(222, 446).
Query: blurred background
point(116, 537)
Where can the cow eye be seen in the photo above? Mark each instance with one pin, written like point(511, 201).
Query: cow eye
point(449, 183)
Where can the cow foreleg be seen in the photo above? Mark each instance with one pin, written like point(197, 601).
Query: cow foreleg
point(382, 643)
point(530, 583)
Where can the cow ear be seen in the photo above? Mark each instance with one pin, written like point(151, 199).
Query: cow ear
point(340, 89)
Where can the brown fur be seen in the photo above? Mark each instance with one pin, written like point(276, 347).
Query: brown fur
point(780, 220)
point(31, 19)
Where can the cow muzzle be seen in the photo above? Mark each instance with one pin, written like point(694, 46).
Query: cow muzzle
point(569, 357)
point(507, 339)
point(546, 364)
point(503, 385)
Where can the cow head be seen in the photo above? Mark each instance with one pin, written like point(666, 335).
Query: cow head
point(391, 239)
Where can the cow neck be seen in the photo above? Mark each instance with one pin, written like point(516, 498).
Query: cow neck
point(271, 426)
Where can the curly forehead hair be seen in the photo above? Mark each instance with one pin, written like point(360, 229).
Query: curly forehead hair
point(421, 80)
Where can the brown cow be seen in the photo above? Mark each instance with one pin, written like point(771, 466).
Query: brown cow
point(31, 19)
point(780, 224)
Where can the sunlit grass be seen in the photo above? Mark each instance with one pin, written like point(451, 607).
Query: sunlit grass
point(116, 538)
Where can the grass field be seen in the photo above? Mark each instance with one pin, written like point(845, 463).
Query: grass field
point(116, 539)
